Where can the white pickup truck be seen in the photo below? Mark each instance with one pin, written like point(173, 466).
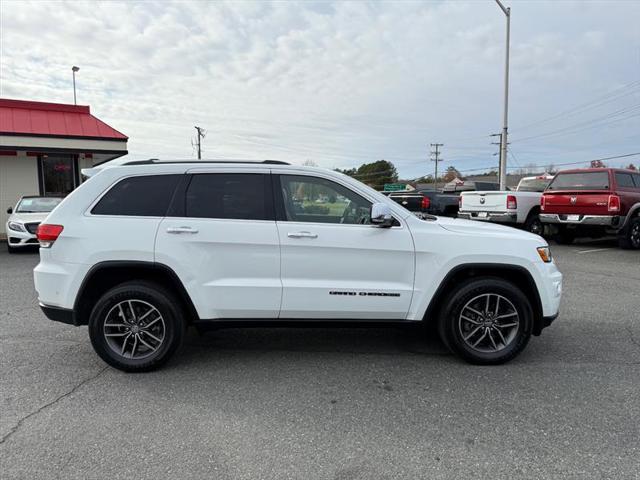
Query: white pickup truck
point(517, 208)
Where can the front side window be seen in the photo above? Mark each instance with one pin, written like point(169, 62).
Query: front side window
point(242, 196)
point(143, 196)
point(314, 199)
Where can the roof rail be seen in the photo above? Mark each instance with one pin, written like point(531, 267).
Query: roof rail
point(154, 161)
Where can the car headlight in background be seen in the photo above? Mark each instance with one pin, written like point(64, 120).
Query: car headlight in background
point(545, 254)
point(16, 227)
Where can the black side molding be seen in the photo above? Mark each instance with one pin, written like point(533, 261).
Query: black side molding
point(57, 314)
point(547, 321)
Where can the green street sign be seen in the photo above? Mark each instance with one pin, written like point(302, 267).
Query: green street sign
point(394, 187)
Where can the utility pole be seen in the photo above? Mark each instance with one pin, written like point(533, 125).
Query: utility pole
point(503, 140)
point(201, 134)
point(74, 69)
point(436, 158)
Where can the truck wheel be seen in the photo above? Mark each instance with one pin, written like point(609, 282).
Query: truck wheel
point(631, 238)
point(486, 321)
point(533, 224)
point(136, 326)
point(565, 236)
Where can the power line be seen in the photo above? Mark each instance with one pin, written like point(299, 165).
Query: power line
point(608, 119)
point(597, 102)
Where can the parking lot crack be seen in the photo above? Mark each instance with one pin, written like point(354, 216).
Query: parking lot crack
point(44, 407)
point(633, 339)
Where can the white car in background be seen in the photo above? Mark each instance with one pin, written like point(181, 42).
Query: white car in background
point(519, 208)
point(24, 219)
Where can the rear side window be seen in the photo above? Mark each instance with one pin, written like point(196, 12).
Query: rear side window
point(143, 196)
point(624, 180)
point(243, 196)
point(581, 181)
point(636, 179)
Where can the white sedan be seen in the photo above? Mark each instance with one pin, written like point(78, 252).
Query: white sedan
point(24, 220)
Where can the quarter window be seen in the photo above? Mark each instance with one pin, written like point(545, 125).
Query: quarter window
point(244, 196)
point(142, 196)
point(314, 199)
point(624, 180)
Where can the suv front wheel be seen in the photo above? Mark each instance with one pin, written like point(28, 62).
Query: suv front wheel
point(486, 321)
point(136, 326)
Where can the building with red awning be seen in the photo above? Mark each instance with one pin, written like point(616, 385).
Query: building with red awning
point(43, 147)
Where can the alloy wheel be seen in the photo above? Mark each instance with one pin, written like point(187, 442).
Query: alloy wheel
point(488, 323)
point(635, 235)
point(134, 329)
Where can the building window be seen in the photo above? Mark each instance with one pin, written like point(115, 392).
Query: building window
point(58, 174)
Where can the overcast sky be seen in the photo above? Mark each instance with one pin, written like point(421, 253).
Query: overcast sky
point(339, 83)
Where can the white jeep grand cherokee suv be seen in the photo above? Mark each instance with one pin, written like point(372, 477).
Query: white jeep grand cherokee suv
point(143, 250)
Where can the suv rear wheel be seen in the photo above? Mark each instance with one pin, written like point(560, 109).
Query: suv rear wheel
point(486, 321)
point(136, 326)
point(631, 238)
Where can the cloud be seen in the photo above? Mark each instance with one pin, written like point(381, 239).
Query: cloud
point(339, 83)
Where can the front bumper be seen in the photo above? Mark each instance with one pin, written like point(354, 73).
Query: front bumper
point(613, 221)
point(20, 239)
point(499, 217)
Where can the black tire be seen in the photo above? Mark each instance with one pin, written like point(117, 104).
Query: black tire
point(565, 236)
point(451, 325)
point(630, 239)
point(10, 249)
point(169, 328)
point(533, 224)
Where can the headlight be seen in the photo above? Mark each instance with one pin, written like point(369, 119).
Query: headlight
point(16, 227)
point(545, 254)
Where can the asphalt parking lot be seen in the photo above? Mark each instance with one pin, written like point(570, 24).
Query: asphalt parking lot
point(331, 404)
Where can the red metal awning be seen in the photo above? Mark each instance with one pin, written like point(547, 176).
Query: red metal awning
point(26, 118)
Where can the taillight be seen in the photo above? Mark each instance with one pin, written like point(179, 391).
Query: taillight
point(47, 234)
point(459, 202)
point(614, 203)
point(426, 203)
point(512, 203)
point(543, 202)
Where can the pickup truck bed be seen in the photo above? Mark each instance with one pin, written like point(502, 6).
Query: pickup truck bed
point(516, 208)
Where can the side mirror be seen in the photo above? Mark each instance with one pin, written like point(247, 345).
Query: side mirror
point(381, 215)
point(10, 210)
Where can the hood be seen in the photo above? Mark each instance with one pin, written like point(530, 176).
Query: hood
point(28, 217)
point(472, 227)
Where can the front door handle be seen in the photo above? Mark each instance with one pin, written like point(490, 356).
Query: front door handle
point(181, 230)
point(302, 235)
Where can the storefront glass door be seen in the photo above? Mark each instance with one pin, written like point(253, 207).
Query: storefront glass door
point(58, 174)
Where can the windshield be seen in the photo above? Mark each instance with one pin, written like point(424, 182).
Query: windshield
point(581, 181)
point(533, 184)
point(37, 204)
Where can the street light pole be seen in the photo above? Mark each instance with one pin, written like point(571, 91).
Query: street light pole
point(503, 138)
point(74, 69)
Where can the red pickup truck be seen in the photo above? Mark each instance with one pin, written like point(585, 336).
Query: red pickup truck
point(594, 202)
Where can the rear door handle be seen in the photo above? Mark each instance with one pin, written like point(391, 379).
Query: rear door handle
point(181, 230)
point(302, 235)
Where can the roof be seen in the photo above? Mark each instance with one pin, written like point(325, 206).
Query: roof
point(21, 117)
point(597, 169)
